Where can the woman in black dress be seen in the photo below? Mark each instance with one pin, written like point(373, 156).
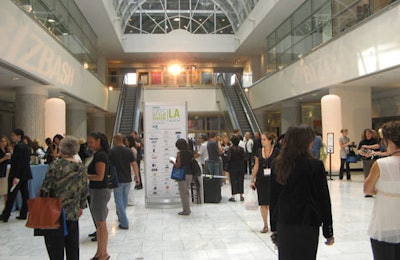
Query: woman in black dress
point(235, 161)
point(261, 175)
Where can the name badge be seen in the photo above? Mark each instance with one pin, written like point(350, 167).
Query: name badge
point(267, 171)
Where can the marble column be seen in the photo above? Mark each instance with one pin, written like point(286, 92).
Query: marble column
point(55, 117)
point(332, 124)
point(290, 115)
point(30, 111)
point(76, 120)
point(356, 109)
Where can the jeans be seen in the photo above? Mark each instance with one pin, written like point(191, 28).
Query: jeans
point(121, 202)
point(214, 167)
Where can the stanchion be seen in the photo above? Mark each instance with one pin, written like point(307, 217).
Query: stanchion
point(330, 166)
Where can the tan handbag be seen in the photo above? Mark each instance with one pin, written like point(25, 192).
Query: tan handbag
point(44, 213)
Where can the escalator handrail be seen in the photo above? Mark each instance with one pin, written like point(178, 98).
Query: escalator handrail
point(246, 106)
point(120, 105)
point(137, 106)
point(235, 121)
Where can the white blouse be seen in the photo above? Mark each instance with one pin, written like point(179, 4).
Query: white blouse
point(385, 219)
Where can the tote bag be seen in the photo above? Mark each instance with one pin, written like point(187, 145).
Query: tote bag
point(178, 174)
point(44, 213)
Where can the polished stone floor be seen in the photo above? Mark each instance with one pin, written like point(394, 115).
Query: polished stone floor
point(213, 231)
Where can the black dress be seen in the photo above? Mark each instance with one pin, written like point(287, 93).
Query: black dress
point(262, 181)
point(3, 165)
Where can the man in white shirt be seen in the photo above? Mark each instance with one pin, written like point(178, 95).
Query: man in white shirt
point(202, 154)
point(248, 148)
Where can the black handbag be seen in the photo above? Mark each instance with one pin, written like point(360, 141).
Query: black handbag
point(112, 177)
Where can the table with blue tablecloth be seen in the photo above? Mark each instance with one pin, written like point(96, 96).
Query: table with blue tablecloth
point(38, 174)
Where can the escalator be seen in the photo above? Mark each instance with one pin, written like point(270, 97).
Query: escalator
point(128, 109)
point(238, 106)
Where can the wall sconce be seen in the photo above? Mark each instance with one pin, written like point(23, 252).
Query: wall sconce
point(301, 56)
point(85, 65)
point(280, 67)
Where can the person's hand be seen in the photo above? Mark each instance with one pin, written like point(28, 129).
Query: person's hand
point(253, 185)
point(80, 212)
point(15, 181)
point(8, 156)
point(330, 241)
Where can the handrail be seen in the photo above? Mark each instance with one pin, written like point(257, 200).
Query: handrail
point(136, 117)
point(232, 114)
point(255, 127)
point(120, 105)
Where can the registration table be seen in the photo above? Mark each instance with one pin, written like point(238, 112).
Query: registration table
point(38, 174)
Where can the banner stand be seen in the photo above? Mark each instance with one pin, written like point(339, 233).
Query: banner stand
point(164, 123)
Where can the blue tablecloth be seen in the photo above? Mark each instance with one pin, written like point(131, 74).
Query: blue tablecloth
point(38, 174)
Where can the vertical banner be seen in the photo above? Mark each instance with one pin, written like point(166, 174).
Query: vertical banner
point(163, 124)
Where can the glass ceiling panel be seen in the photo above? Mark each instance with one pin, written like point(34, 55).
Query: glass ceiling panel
point(168, 15)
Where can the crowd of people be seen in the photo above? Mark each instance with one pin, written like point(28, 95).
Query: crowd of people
point(289, 178)
point(78, 173)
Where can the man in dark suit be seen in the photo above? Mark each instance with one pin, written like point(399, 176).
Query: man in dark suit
point(20, 173)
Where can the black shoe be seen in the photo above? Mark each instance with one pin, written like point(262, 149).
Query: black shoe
point(3, 219)
point(368, 196)
point(20, 218)
point(232, 199)
point(122, 227)
point(92, 234)
point(94, 239)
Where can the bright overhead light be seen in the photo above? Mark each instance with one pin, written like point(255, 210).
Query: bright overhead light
point(15, 78)
point(85, 65)
point(176, 19)
point(110, 88)
point(175, 69)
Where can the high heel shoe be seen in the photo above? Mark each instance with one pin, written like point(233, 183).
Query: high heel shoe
point(95, 258)
point(264, 230)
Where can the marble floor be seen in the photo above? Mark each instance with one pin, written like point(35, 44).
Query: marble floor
point(213, 231)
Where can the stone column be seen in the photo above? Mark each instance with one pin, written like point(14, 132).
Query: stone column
point(356, 109)
point(55, 117)
point(77, 120)
point(30, 111)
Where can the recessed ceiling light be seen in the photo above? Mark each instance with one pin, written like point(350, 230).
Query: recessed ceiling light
point(15, 78)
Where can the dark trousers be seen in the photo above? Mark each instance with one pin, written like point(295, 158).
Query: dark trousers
point(140, 174)
point(385, 251)
point(248, 167)
point(22, 186)
point(342, 163)
point(297, 242)
point(236, 177)
point(56, 242)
